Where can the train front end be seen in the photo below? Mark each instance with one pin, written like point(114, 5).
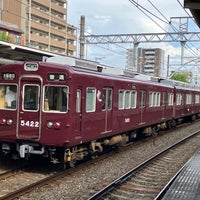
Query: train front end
point(33, 109)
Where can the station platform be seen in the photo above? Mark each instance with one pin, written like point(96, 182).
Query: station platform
point(187, 185)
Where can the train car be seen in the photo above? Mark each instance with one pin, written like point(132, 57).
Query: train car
point(67, 114)
point(186, 103)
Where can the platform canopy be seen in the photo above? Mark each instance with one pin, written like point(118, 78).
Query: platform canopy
point(194, 6)
point(10, 52)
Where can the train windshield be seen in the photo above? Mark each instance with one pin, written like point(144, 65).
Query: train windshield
point(55, 98)
point(31, 94)
point(8, 94)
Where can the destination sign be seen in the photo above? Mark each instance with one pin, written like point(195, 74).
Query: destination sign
point(31, 66)
point(56, 77)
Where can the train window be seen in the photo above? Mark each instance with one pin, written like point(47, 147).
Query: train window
point(121, 99)
point(164, 98)
point(30, 98)
point(142, 98)
point(106, 99)
point(133, 99)
point(150, 99)
point(154, 99)
point(197, 98)
point(179, 99)
point(158, 99)
point(109, 99)
point(90, 100)
point(56, 98)
point(170, 99)
point(188, 99)
point(127, 99)
point(8, 96)
point(78, 101)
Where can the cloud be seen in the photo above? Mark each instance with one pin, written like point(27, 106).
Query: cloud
point(102, 19)
point(122, 17)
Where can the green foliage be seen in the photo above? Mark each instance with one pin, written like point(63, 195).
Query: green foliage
point(181, 76)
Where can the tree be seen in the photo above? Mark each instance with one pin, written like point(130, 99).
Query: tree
point(181, 76)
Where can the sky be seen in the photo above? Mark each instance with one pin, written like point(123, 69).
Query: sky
point(123, 17)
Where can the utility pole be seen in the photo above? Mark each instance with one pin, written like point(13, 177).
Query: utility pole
point(82, 37)
point(168, 66)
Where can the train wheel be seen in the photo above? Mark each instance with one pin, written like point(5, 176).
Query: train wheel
point(73, 160)
point(169, 124)
point(63, 158)
point(68, 158)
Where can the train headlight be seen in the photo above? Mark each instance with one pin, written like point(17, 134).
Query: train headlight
point(2, 121)
point(55, 125)
point(9, 122)
point(50, 124)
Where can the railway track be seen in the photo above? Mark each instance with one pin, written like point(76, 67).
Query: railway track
point(18, 182)
point(54, 178)
point(14, 182)
point(147, 179)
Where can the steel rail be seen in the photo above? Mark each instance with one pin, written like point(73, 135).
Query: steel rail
point(32, 186)
point(45, 181)
point(130, 173)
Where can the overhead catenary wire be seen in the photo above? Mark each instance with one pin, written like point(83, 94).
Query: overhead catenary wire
point(147, 13)
point(144, 10)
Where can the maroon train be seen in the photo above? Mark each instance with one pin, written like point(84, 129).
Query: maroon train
point(66, 114)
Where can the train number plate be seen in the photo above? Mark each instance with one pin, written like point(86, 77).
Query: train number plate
point(32, 124)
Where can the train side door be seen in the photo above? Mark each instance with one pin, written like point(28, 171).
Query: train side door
point(164, 96)
point(29, 109)
point(107, 99)
point(78, 115)
point(142, 102)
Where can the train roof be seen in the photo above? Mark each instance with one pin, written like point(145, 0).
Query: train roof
point(128, 77)
point(95, 66)
point(142, 79)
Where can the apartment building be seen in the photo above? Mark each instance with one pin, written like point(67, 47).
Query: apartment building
point(43, 22)
point(150, 61)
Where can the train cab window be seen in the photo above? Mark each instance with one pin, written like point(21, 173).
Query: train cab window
point(90, 99)
point(30, 97)
point(55, 99)
point(8, 95)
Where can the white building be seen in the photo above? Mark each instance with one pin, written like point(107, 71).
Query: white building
point(149, 61)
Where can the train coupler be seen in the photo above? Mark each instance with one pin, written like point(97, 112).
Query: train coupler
point(28, 149)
